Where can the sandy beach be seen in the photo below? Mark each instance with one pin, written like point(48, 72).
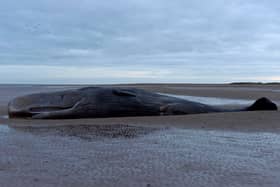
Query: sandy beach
point(218, 149)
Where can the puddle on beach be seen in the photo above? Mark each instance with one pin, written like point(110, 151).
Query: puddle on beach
point(212, 100)
point(216, 100)
point(227, 88)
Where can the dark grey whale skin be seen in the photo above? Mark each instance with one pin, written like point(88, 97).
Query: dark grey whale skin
point(96, 102)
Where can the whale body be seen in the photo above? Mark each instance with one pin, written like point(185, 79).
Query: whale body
point(97, 102)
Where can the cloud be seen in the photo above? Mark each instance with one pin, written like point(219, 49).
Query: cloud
point(143, 34)
point(74, 74)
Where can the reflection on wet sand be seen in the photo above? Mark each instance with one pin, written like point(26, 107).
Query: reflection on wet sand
point(169, 157)
point(92, 132)
point(213, 100)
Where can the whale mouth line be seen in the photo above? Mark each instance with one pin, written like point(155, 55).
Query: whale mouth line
point(48, 109)
point(29, 113)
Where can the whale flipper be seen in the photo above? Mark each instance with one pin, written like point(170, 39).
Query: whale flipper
point(52, 115)
point(58, 113)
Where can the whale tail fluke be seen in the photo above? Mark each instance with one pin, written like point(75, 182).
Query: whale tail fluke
point(262, 104)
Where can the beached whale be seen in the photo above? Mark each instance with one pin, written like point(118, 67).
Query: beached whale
point(95, 102)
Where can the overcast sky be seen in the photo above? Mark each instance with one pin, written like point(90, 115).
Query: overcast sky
point(121, 41)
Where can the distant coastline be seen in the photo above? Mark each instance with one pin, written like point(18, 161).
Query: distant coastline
point(255, 83)
point(143, 84)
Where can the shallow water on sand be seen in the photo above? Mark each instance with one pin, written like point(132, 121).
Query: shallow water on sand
point(169, 157)
point(216, 100)
point(213, 100)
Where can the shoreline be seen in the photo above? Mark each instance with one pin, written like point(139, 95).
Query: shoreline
point(243, 121)
point(215, 149)
point(233, 121)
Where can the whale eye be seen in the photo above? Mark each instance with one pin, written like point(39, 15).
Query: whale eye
point(125, 93)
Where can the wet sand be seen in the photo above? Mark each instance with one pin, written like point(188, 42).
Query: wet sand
point(225, 149)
